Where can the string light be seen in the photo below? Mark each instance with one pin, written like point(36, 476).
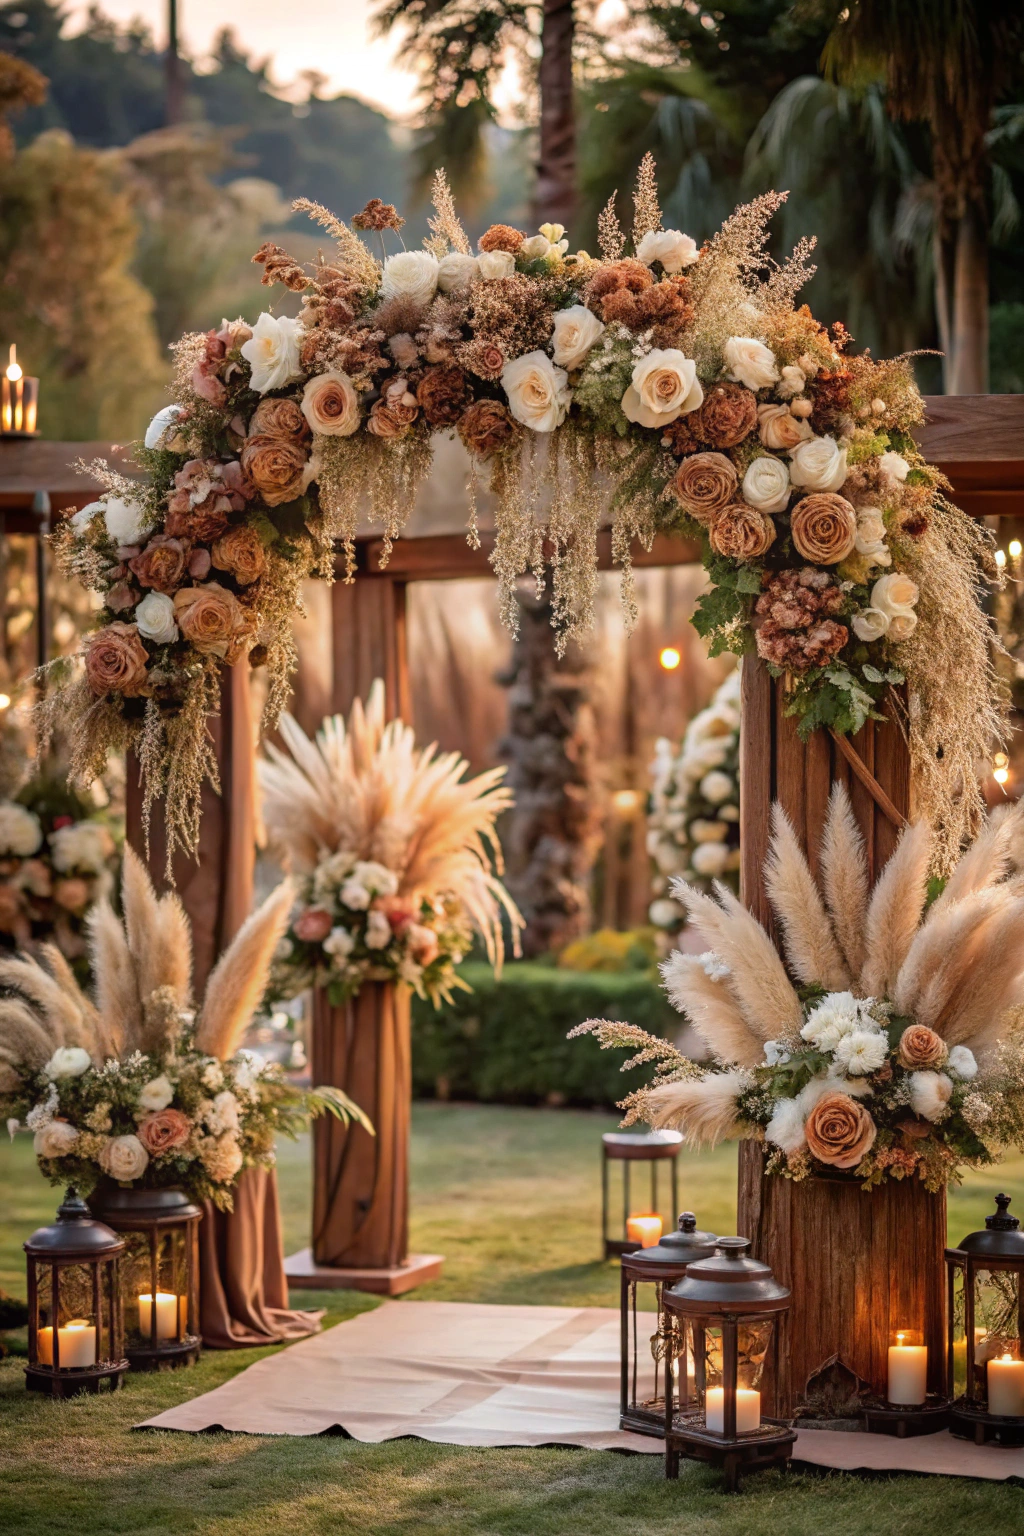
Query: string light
point(626, 803)
point(670, 658)
point(5, 701)
point(1001, 771)
point(1015, 549)
point(1001, 775)
point(1000, 558)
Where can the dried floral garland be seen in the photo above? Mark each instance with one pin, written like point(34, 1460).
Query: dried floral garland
point(670, 387)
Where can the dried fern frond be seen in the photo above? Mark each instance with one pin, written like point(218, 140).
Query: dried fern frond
point(239, 979)
point(610, 239)
point(811, 948)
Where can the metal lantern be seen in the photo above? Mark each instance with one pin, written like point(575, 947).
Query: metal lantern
point(642, 1402)
point(159, 1273)
point(727, 1314)
point(19, 400)
point(75, 1335)
point(627, 1148)
point(985, 1329)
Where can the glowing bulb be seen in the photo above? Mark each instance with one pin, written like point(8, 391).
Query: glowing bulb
point(1000, 558)
point(1001, 775)
point(5, 701)
point(1000, 759)
point(626, 802)
point(14, 367)
point(1015, 549)
point(670, 658)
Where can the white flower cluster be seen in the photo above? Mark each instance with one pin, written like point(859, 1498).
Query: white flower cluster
point(21, 832)
point(84, 846)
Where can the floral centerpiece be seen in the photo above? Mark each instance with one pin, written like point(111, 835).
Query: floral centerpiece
point(136, 1087)
point(693, 815)
point(659, 386)
point(899, 1050)
point(392, 851)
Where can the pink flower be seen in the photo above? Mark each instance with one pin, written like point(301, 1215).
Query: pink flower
point(313, 925)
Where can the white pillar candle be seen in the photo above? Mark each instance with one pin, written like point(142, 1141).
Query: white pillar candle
point(908, 1372)
point(76, 1345)
point(1006, 1386)
point(645, 1230)
point(748, 1410)
point(168, 1307)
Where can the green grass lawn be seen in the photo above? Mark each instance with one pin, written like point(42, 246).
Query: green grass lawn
point(511, 1197)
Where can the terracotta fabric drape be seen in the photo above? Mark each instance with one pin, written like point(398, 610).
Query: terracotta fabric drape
point(243, 1291)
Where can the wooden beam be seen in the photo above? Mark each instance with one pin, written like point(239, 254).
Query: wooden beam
point(444, 557)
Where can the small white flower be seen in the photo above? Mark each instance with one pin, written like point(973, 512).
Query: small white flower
point(553, 234)
point(157, 1093)
point(837, 1015)
point(221, 1115)
point(749, 362)
point(353, 894)
point(894, 465)
point(21, 831)
point(340, 943)
point(870, 624)
point(717, 787)
point(861, 1051)
point(42, 1113)
point(456, 271)
point(775, 1054)
point(792, 382)
point(785, 1129)
point(212, 1076)
point(126, 521)
point(410, 275)
point(710, 859)
point(669, 246)
point(961, 1062)
point(378, 931)
point(664, 912)
point(495, 264)
point(248, 1067)
point(929, 1094)
point(85, 845)
point(272, 352)
point(155, 618)
point(67, 1061)
point(378, 879)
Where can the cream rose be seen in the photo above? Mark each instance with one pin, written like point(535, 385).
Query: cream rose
point(155, 618)
point(55, 1140)
point(410, 275)
point(495, 264)
point(157, 1093)
point(749, 362)
point(669, 246)
point(21, 831)
point(819, 464)
point(870, 624)
point(330, 404)
point(67, 1061)
point(665, 386)
point(124, 1158)
point(779, 429)
point(535, 248)
point(870, 537)
point(766, 484)
point(456, 271)
point(576, 331)
point(272, 352)
point(538, 392)
point(896, 596)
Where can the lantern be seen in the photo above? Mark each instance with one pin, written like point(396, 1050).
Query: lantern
point(985, 1327)
point(727, 1313)
point(646, 1355)
point(75, 1338)
point(644, 1224)
point(19, 401)
point(159, 1273)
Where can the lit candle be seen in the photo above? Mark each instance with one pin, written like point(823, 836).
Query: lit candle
point(76, 1345)
point(168, 1308)
point(908, 1372)
point(1006, 1386)
point(645, 1230)
point(748, 1410)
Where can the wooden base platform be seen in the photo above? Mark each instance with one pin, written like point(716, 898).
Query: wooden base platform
point(304, 1274)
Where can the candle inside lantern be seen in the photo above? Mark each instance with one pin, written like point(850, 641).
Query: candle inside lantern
point(76, 1345)
point(19, 397)
point(748, 1410)
point(908, 1372)
point(1006, 1387)
point(168, 1308)
point(645, 1231)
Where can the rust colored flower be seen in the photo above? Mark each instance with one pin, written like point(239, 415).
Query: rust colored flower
point(201, 523)
point(313, 925)
point(165, 1131)
point(839, 1131)
point(162, 564)
point(728, 415)
point(831, 397)
point(279, 267)
point(276, 466)
point(115, 660)
point(740, 532)
point(684, 435)
point(486, 426)
point(240, 552)
point(704, 484)
point(921, 1047)
point(666, 310)
point(628, 275)
point(502, 237)
point(483, 357)
point(824, 527)
point(378, 215)
point(213, 621)
point(72, 894)
point(394, 413)
point(279, 418)
point(443, 394)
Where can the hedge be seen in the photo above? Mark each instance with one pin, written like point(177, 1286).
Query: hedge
point(506, 1040)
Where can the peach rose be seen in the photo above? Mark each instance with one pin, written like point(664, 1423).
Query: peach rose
point(162, 563)
point(839, 1131)
point(240, 551)
point(164, 1131)
point(276, 466)
point(704, 484)
point(921, 1047)
point(740, 532)
point(779, 430)
point(313, 925)
point(330, 404)
point(213, 620)
point(115, 660)
point(824, 528)
point(279, 418)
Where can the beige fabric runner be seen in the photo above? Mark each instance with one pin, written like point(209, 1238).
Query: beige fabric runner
point(470, 1374)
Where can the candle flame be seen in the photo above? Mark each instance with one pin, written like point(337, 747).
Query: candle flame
point(1006, 1360)
point(14, 367)
point(900, 1337)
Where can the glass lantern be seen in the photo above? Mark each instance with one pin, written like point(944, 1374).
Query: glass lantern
point(727, 1314)
point(646, 1355)
point(985, 1328)
point(159, 1273)
point(641, 1219)
point(75, 1335)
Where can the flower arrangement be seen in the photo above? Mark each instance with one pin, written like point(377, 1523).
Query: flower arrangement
point(392, 852)
point(136, 1087)
point(660, 386)
point(899, 1050)
point(693, 815)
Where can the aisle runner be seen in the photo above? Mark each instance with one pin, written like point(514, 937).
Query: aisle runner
point(465, 1374)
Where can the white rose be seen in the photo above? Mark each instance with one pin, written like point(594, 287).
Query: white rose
point(895, 594)
point(377, 878)
point(792, 381)
point(665, 386)
point(961, 1061)
point(894, 465)
point(766, 484)
point(84, 516)
point(716, 787)
point(248, 1068)
point(20, 830)
point(870, 537)
point(870, 624)
point(124, 1158)
point(929, 1094)
point(669, 246)
point(535, 248)
point(126, 521)
point(710, 859)
point(456, 271)
point(495, 264)
point(155, 618)
point(340, 943)
point(378, 931)
point(221, 1114)
point(157, 1093)
point(749, 362)
point(272, 352)
point(67, 1061)
point(410, 275)
point(819, 464)
point(576, 331)
point(55, 1140)
point(159, 433)
point(538, 392)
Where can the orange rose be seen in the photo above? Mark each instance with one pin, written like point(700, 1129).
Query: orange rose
point(741, 533)
point(164, 1131)
point(704, 484)
point(240, 551)
point(213, 620)
point(824, 528)
point(115, 661)
point(330, 404)
point(276, 466)
point(921, 1047)
point(161, 565)
point(279, 418)
point(839, 1131)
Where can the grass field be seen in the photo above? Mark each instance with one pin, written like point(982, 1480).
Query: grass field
point(511, 1197)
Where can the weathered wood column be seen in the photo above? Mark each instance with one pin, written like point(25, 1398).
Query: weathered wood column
point(859, 1264)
